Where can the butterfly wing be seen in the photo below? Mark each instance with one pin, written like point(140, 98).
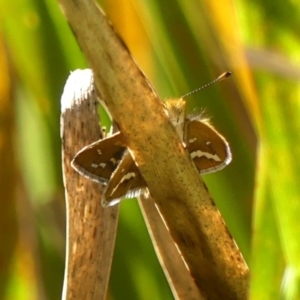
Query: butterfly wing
point(208, 149)
point(125, 182)
point(98, 160)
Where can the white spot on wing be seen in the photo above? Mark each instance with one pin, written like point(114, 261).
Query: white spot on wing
point(208, 155)
point(95, 166)
point(191, 141)
point(114, 162)
point(127, 176)
point(102, 165)
point(99, 151)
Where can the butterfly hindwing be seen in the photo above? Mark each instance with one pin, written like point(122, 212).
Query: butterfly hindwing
point(208, 149)
point(125, 182)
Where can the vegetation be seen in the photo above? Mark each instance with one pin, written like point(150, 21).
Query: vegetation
point(180, 45)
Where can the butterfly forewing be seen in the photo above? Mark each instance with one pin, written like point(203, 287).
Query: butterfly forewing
point(208, 149)
point(98, 160)
point(125, 182)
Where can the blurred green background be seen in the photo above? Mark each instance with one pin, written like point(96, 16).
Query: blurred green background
point(180, 45)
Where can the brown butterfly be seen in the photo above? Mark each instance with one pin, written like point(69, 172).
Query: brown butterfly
point(108, 161)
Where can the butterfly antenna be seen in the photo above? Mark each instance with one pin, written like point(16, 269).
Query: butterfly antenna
point(221, 77)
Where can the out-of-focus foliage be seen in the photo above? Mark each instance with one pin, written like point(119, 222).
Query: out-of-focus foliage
point(180, 45)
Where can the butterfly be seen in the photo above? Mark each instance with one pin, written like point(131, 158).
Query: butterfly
point(108, 161)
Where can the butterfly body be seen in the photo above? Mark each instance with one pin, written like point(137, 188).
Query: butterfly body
point(109, 162)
